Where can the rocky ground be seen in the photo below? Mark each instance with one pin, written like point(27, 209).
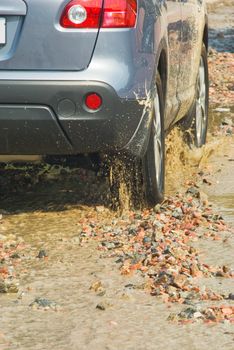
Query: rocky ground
point(74, 274)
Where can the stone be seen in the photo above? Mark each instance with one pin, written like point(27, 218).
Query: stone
point(231, 296)
point(42, 254)
point(179, 281)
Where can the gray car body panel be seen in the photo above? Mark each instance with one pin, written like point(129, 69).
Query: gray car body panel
point(13, 7)
point(43, 44)
point(123, 59)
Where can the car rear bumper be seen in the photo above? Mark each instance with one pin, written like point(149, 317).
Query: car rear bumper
point(50, 118)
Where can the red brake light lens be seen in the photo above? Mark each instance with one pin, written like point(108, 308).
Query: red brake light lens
point(119, 13)
point(88, 14)
point(82, 14)
point(93, 101)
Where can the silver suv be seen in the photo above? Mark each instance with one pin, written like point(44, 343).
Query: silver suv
point(105, 77)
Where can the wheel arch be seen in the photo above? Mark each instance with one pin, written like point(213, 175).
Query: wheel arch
point(138, 144)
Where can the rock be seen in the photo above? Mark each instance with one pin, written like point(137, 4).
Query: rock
point(198, 314)
point(3, 287)
point(179, 281)
point(42, 254)
point(6, 287)
point(172, 291)
point(184, 295)
point(43, 303)
point(177, 213)
point(132, 230)
point(95, 286)
point(227, 121)
point(211, 52)
point(15, 256)
point(12, 288)
point(108, 245)
point(101, 292)
point(193, 191)
point(172, 317)
point(187, 313)
point(229, 131)
point(220, 273)
point(210, 315)
point(100, 209)
point(76, 240)
point(103, 306)
point(231, 296)
point(194, 270)
point(146, 240)
point(98, 288)
point(157, 209)
point(227, 310)
point(156, 292)
point(226, 269)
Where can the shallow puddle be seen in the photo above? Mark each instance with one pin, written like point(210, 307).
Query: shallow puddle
point(50, 216)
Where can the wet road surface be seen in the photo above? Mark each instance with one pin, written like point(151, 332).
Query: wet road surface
point(46, 215)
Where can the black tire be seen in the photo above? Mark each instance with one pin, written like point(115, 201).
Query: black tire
point(197, 123)
point(154, 169)
point(135, 182)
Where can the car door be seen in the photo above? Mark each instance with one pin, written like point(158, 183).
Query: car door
point(174, 28)
point(191, 40)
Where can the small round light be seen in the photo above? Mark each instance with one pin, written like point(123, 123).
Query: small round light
point(93, 101)
point(77, 14)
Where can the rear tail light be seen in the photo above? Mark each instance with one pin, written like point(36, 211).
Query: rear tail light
point(95, 14)
point(82, 14)
point(119, 13)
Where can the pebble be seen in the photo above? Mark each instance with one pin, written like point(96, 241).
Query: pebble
point(100, 209)
point(46, 304)
point(42, 254)
point(157, 208)
point(179, 281)
point(103, 306)
point(6, 287)
point(193, 191)
point(227, 121)
point(15, 256)
point(98, 288)
point(231, 296)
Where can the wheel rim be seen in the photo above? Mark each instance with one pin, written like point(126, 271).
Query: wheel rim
point(201, 112)
point(157, 131)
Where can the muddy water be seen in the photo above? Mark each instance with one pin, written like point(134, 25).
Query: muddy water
point(50, 214)
point(132, 318)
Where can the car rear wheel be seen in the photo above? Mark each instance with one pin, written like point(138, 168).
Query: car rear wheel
point(136, 181)
point(198, 121)
point(154, 161)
